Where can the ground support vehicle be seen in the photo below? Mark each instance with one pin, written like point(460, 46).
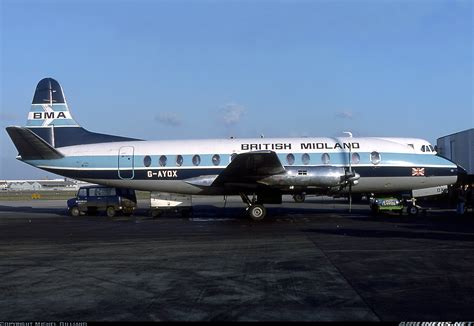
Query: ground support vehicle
point(92, 199)
point(161, 202)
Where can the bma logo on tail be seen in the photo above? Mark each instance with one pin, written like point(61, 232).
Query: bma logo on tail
point(43, 115)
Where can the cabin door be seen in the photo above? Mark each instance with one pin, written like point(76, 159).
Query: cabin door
point(125, 162)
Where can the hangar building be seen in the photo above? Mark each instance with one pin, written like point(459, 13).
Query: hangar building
point(459, 148)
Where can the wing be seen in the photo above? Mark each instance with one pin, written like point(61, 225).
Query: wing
point(250, 167)
point(244, 172)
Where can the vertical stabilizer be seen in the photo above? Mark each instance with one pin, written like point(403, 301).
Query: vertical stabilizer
point(49, 107)
point(49, 118)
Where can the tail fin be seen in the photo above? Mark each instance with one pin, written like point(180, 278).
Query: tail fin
point(49, 107)
point(50, 119)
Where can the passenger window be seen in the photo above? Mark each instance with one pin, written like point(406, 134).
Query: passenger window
point(305, 158)
point(105, 192)
point(147, 161)
point(290, 158)
point(196, 160)
point(355, 158)
point(82, 193)
point(375, 157)
point(163, 160)
point(216, 159)
point(179, 160)
point(325, 158)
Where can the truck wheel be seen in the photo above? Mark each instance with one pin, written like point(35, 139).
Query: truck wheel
point(299, 198)
point(413, 210)
point(156, 213)
point(110, 211)
point(257, 212)
point(186, 213)
point(74, 211)
point(375, 209)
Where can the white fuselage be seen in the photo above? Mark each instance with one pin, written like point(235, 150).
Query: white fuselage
point(384, 164)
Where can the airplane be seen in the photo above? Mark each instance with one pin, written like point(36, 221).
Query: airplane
point(260, 170)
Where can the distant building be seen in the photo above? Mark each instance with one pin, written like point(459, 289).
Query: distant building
point(41, 185)
point(459, 148)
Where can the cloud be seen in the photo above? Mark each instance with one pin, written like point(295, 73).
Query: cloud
point(346, 114)
point(169, 119)
point(232, 113)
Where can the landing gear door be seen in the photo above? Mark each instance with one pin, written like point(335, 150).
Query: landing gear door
point(125, 162)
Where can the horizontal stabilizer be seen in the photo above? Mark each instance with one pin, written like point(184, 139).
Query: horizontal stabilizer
point(30, 146)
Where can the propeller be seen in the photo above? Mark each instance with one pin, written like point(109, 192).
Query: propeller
point(350, 181)
point(351, 177)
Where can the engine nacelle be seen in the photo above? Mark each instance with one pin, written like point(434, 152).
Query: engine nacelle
point(315, 176)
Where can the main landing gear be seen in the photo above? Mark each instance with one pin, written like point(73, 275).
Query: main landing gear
point(256, 211)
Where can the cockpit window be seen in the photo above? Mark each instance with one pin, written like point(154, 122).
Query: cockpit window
point(423, 148)
point(432, 148)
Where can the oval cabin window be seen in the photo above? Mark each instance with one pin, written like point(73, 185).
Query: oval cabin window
point(216, 159)
point(325, 158)
point(196, 160)
point(305, 158)
point(147, 161)
point(163, 160)
point(355, 158)
point(179, 160)
point(375, 157)
point(290, 158)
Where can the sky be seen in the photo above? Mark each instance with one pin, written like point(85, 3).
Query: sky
point(214, 69)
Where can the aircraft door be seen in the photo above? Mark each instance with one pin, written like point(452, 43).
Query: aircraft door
point(125, 162)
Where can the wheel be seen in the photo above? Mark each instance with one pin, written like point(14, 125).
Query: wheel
point(110, 211)
point(156, 213)
point(413, 210)
point(74, 211)
point(375, 208)
point(186, 212)
point(257, 212)
point(299, 198)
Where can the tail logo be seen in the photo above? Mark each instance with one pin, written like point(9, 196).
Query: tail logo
point(47, 116)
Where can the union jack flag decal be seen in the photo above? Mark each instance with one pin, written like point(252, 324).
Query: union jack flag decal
point(417, 172)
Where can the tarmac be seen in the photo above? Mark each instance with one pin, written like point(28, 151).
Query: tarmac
point(313, 261)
